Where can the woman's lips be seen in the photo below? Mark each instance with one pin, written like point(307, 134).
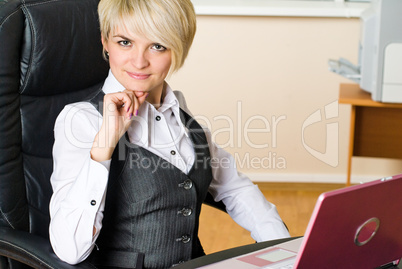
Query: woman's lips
point(139, 76)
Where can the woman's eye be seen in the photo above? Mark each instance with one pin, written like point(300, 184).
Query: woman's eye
point(124, 43)
point(158, 47)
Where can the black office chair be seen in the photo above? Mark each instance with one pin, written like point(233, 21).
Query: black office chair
point(51, 55)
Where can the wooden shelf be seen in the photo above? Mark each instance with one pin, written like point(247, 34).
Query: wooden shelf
point(375, 127)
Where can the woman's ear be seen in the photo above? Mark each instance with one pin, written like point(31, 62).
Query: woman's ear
point(105, 48)
point(104, 42)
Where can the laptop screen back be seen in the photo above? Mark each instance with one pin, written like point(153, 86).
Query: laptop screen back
point(355, 227)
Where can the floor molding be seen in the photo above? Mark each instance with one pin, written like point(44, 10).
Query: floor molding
point(309, 178)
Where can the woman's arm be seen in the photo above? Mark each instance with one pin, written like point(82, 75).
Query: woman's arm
point(244, 201)
point(78, 182)
point(82, 153)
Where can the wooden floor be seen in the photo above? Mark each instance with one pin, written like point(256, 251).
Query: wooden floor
point(295, 203)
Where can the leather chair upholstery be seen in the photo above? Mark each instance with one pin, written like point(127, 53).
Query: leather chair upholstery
point(50, 55)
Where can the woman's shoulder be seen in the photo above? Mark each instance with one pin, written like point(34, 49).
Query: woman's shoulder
point(180, 97)
point(81, 111)
point(182, 101)
point(82, 106)
point(87, 105)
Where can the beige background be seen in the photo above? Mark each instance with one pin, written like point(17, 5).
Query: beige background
point(258, 73)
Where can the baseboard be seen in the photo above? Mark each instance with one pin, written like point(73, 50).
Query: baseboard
point(310, 178)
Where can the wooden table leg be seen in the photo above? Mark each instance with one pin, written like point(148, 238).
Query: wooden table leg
point(351, 144)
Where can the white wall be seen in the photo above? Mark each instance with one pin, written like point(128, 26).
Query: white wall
point(266, 69)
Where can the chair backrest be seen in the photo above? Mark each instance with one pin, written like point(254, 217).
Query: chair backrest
point(50, 55)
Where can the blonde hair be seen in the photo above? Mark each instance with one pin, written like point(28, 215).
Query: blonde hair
point(171, 23)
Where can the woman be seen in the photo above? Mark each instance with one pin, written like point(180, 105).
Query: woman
point(131, 166)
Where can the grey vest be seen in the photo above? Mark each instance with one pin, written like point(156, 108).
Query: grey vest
point(152, 208)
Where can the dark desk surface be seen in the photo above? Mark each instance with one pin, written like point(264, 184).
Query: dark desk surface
point(230, 253)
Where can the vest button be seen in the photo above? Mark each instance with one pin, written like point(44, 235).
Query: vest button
point(185, 238)
point(93, 202)
point(188, 184)
point(158, 118)
point(185, 212)
point(180, 262)
point(173, 152)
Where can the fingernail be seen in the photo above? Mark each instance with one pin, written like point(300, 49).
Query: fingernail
point(136, 112)
point(128, 109)
point(131, 115)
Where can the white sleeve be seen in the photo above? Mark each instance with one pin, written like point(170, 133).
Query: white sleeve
point(244, 201)
point(79, 184)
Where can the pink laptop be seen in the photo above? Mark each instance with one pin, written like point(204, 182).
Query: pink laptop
point(354, 227)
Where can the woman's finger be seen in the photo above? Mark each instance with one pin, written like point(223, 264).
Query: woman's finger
point(127, 102)
point(141, 96)
point(131, 106)
point(120, 102)
point(138, 100)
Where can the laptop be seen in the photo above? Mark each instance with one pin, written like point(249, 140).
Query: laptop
point(354, 227)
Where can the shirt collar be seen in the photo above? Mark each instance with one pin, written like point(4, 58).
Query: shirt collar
point(170, 102)
point(111, 84)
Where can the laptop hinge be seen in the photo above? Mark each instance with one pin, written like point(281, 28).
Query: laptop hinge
point(390, 265)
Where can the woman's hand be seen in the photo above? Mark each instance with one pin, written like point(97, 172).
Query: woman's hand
point(118, 110)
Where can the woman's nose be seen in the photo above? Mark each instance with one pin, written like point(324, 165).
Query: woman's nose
point(139, 59)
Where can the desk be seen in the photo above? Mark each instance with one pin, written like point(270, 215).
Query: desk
point(375, 128)
point(230, 253)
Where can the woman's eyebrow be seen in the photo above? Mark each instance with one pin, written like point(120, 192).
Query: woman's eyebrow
point(122, 36)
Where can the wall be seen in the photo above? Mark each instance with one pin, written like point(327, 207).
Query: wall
point(256, 80)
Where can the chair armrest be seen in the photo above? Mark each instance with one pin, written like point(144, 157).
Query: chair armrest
point(32, 250)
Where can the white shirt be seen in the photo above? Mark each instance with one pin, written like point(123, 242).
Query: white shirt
point(79, 183)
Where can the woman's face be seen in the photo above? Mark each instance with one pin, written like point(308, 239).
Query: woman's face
point(138, 63)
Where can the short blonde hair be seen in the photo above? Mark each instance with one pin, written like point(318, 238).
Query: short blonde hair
point(171, 23)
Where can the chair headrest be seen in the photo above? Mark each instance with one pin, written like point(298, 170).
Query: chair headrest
point(62, 50)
